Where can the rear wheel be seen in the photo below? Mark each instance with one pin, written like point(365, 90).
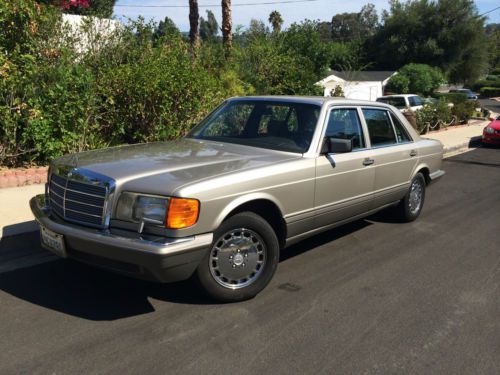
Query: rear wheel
point(411, 205)
point(242, 260)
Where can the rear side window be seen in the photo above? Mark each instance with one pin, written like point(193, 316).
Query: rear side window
point(379, 127)
point(344, 123)
point(401, 132)
point(415, 101)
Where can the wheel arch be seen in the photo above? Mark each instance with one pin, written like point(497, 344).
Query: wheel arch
point(425, 170)
point(262, 204)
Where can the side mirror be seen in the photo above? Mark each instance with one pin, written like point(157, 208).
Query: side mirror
point(333, 145)
point(491, 119)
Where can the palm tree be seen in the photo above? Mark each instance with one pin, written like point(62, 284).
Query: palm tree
point(194, 35)
point(227, 23)
point(276, 21)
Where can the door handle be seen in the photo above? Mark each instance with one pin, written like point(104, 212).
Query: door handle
point(368, 161)
point(413, 153)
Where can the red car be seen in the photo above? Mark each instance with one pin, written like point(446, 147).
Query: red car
point(491, 133)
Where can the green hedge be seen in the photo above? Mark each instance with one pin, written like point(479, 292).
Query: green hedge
point(451, 97)
point(485, 83)
point(490, 92)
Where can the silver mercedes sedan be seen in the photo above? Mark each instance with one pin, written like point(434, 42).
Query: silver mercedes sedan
point(255, 176)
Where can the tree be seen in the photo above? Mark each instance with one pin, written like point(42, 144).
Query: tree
point(325, 31)
point(444, 33)
point(276, 21)
point(416, 79)
point(257, 28)
point(227, 24)
point(368, 19)
point(166, 28)
point(349, 26)
point(304, 39)
point(209, 28)
point(493, 39)
point(194, 35)
point(345, 26)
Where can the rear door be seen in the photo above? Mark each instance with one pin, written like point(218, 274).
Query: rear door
point(344, 182)
point(394, 155)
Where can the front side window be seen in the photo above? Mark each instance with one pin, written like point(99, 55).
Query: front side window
point(282, 126)
point(379, 127)
point(344, 123)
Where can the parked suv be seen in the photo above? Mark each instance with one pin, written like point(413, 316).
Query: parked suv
point(257, 175)
point(403, 102)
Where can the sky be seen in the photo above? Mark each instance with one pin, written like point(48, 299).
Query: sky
point(291, 12)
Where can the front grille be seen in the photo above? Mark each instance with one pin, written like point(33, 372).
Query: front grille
point(78, 201)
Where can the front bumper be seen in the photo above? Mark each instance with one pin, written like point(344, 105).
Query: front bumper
point(492, 139)
point(143, 256)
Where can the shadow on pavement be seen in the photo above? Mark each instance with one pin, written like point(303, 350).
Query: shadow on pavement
point(15, 229)
point(90, 293)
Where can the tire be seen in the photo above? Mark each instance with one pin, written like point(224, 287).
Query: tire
point(411, 205)
point(242, 259)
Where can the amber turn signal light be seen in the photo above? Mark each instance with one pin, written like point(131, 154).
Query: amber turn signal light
point(182, 212)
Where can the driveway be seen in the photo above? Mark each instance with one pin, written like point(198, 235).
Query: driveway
point(373, 296)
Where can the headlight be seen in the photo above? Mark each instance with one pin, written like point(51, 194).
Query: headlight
point(173, 213)
point(489, 130)
point(137, 208)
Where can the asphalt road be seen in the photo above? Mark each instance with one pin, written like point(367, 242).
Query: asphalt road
point(491, 105)
point(373, 296)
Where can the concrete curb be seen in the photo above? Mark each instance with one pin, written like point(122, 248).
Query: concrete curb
point(460, 148)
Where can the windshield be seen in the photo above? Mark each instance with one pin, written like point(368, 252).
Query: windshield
point(397, 101)
point(276, 125)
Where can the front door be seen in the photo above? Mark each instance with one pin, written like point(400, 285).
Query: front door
point(344, 182)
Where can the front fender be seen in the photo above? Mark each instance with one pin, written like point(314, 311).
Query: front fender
point(239, 201)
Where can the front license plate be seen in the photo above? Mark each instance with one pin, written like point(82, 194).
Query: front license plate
point(53, 242)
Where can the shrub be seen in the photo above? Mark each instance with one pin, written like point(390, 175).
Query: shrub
point(55, 100)
point(490, 92)
point(399, 84)
point(432, 114)
point(464, 110)
point(64, 92)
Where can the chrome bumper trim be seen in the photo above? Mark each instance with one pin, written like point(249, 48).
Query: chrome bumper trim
point(131, 241)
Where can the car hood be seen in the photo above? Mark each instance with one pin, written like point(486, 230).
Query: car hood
point(163, 167)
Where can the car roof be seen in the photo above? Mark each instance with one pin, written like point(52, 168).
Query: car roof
point(397, 96)
point(317, 100)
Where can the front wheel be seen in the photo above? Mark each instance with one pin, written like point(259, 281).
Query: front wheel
point(411, 205)
point(242, 260)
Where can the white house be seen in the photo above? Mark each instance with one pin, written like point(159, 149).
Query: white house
point(89, 33)
point(363, 85)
